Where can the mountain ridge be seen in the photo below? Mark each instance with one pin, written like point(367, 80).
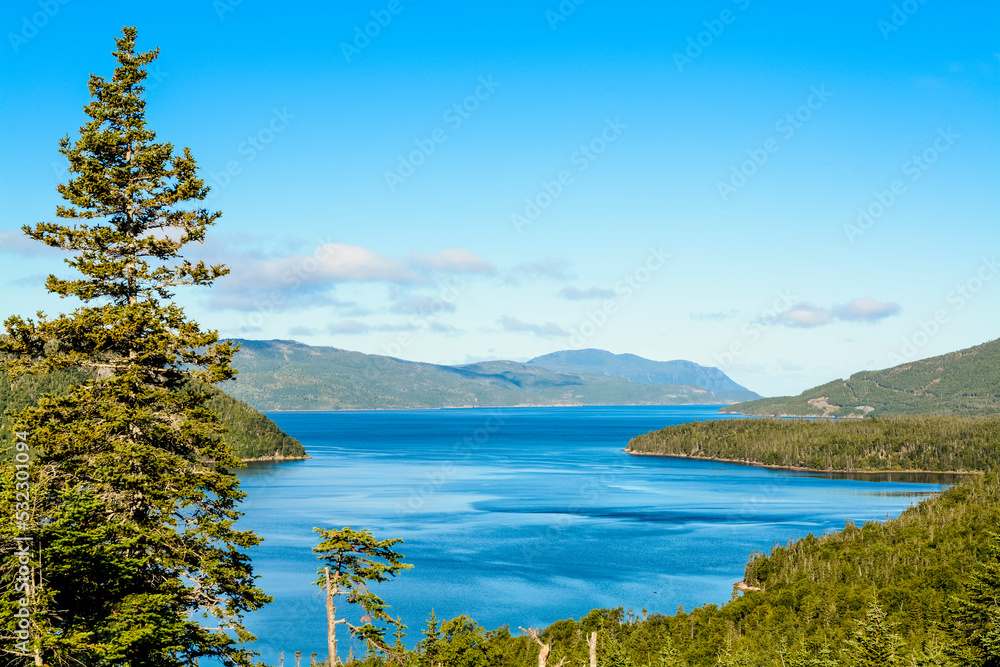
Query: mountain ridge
point(289, 375)
point(644, 371)
point(964, 383)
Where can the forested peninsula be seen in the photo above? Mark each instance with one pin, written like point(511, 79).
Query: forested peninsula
point(928, 444)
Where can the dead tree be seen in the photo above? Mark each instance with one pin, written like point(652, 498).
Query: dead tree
point(592, 645)
point(543, 648)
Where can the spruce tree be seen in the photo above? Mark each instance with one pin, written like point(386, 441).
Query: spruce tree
point(875, 644)
point(130, 501)
point(353, 560)
point(429, 647)
point(976, 613)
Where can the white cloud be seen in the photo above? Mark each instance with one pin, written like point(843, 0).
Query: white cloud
point(807, 315)
point(334, 262)
point(289, 281)
point(866, 309)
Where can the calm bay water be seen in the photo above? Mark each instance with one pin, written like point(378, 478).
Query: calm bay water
point(524, 516)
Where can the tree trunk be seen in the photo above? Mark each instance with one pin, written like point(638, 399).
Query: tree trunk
point(592, 644)
point(331, 622)
point(35, 585)
point(543, 654)
point(543, 648)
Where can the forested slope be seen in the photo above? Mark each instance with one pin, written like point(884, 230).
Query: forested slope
point(251, 434)
point(964, 383)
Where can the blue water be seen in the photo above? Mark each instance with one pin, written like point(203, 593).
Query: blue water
point(524, 516)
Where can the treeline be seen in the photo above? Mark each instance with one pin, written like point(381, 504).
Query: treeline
point(251, 434)
point(918, 590)
point(875, 444)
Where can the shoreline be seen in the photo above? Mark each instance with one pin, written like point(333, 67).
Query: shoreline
point(524, 405)
point(802, 469)
point(276, 459)
point(786, 416)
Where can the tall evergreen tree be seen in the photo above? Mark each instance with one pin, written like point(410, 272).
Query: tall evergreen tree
point(976, 614)
point(353, 560)
point(132, 499)
point(430, 645)
point(875, 644)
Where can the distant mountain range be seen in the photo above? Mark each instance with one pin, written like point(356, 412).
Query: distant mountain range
point(964, 384)
point(645, 371)
point(288, 375)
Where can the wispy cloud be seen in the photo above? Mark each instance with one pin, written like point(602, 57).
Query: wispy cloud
point(350, 327)
point(300, 280)
point(330, 263)
point(807, 315)
point(356, 327)
point(717, 316)
point(451, 260)
point(552, 268)
point(547, 330)
point(866, 309)
point(422, 305)
point(437, 327)
point(786, 365)
point(804, 315)
point(15, 242)
point(577, 294)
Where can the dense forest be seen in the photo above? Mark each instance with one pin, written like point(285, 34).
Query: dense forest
point(251, 434)
point(921, 589)
point(875, 444)
point(965, 383)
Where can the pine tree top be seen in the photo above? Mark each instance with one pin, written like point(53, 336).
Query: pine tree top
point(134, 204)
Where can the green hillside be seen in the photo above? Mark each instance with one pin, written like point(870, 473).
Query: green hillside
point(963, 383)
point(286, 375)
point(251, 434)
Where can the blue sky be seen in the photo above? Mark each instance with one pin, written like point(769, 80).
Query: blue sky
point(471, 181)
